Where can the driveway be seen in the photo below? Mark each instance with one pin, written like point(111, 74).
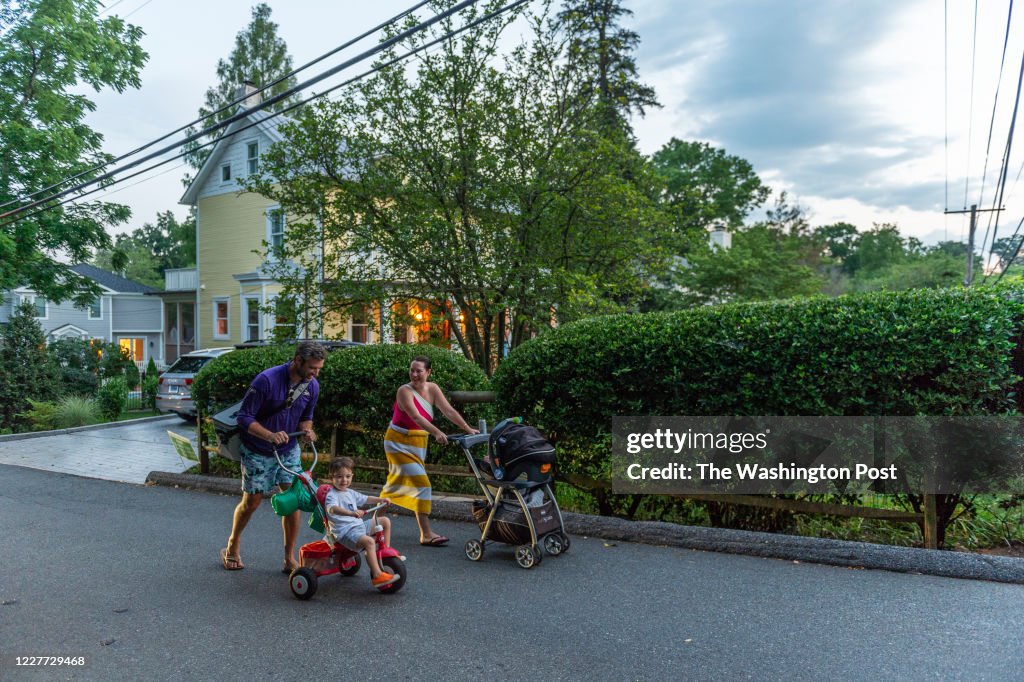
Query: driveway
point(126, 452)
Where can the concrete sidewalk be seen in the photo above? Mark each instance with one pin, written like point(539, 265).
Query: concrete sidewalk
point(120, 451)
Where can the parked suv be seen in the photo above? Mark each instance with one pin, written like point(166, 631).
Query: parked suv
point(174, 392)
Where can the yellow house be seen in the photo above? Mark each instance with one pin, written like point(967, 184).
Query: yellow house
point(234, 287)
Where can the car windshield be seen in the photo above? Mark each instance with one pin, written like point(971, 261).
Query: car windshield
point(187, 365)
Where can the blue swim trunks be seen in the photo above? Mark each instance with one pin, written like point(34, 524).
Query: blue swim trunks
point(261, 473)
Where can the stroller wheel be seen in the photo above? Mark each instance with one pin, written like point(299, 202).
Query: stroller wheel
point(553, 544)
point(474, 550)
point(303, 582)
point(528, 556)
point(565, 541)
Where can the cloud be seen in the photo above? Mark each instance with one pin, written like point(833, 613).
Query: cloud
point(790, 86)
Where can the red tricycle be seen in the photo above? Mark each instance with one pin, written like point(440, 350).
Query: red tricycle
point(327, 556)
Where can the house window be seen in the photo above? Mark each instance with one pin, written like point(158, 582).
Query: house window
point(252, 156)
point(285, 315)
point(96, 309)
point(251, 330)
point(39, 304)
point(359, 326)
point(225, 173)
point(135, 348)
point(221, 318)
point(275, 229)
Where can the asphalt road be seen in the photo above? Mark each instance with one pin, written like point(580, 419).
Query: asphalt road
point(128, 577)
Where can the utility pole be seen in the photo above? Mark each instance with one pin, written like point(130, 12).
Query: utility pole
point(969, 274)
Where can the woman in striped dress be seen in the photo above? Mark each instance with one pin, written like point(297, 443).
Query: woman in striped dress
point(405, 445)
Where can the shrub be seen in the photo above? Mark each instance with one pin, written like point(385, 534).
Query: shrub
point(357, 384)
point(149, 388)
point(26, 369)
point(41, 416)
point(930, 352)
point(939, 352)
point(78, 361)
point(117, 362)
point(75, 410)
point(112, 397)
point(151, 370)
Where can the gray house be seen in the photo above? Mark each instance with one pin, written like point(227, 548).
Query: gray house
point(123, 314)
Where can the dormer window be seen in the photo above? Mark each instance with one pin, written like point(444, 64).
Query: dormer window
point(225, 173)
point(252, 156)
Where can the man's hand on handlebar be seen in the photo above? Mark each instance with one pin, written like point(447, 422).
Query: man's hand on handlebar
point(279, 438)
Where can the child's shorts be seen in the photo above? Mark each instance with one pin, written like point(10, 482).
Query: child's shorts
point(351, 538)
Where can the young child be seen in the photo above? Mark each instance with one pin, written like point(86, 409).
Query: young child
point(345, 518)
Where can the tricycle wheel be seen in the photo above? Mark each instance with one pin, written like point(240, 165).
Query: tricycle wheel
point(474, 550)
point(303, 582)
point(395, 565)
point(354, 568)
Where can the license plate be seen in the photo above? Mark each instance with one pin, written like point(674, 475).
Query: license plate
point(172, 389)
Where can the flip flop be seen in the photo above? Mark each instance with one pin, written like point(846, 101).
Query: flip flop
point(439, 541)
point(230, 562)
point(288, 571)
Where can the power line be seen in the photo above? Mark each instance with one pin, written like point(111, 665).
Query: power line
point(221, 110)
point(376, 68)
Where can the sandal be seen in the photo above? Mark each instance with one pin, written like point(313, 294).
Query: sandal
point(438, 541)
point(231, 562)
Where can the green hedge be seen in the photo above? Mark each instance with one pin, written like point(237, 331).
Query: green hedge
point(357, 384)
point(941, 352)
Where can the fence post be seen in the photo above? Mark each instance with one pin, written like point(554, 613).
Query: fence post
point(931, 521)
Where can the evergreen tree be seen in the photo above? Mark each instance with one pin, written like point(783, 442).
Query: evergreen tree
point(26, 369)
point(603, 50)
point(260, 57)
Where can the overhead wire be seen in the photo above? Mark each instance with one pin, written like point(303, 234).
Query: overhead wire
point(376, 68)
point(230, 105)
point(991, 127)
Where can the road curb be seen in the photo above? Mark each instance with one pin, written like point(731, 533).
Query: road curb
point(76, 429)
point(860, 555)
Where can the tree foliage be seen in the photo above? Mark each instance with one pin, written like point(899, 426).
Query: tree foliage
point(261, 57)
point(706, 187)
point(473, 184)
point(51, 51)
point(153, 249)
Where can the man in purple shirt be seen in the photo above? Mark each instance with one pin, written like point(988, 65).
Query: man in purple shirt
point(279, 401)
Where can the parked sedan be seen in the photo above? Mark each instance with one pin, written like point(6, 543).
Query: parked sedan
point(174, 392)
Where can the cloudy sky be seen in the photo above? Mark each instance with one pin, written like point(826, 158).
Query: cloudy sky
point(862, 110)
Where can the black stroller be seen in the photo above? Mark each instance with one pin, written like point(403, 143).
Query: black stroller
point(520, 508)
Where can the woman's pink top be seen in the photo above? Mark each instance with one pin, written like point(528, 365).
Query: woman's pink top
point(400, 419)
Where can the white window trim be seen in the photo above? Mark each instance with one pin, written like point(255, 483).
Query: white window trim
point(229, 178)
point(227, 300)
point(269, 213)
point(249, 159)
point(31, 298)
point(88, 309)
point(247, 301)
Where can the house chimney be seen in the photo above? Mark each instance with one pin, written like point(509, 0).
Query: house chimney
point(248, 90)
point(720, 237)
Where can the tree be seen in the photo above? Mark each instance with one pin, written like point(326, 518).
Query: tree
point(478, 191)
point(26, 370)
point(603, 52)
point(259, 57)
point(705, 187)
point(153, 249)
point(876, 249)
point(763, 263)
point(50, 50)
